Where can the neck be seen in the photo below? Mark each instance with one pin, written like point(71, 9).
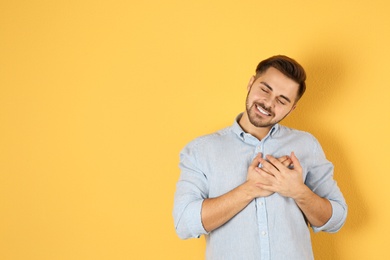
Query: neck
point(248, 127)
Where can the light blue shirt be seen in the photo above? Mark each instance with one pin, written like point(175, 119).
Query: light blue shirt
point(270, 227)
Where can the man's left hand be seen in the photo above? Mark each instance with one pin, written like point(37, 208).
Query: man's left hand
point(281, 178)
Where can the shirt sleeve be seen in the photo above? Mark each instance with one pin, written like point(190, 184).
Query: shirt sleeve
point(191, 190)
point(320, 180)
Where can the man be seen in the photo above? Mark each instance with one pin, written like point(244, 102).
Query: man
point(253, 188)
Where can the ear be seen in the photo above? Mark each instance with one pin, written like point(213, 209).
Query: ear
point(293, 107)
point(250, 83)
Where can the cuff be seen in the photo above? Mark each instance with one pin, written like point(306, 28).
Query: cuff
point(190, 224)
point(336, 221)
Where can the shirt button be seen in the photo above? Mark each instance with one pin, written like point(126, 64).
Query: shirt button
point(264, 233)
point(261, 203)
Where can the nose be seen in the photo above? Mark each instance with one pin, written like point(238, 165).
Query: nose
point(269, 104)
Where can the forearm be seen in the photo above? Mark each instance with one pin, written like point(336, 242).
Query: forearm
point(317, 210)
point(217, 211)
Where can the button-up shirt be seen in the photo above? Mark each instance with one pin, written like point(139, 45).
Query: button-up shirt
point(271, 227)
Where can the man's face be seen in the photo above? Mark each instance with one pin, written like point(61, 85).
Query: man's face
point(271, 97)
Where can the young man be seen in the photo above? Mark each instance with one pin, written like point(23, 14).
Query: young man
point(253, 188)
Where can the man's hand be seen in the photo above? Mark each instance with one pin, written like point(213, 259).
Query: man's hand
point(217, 211)
point(280, 177)
point(258, 179)
point(288, 182)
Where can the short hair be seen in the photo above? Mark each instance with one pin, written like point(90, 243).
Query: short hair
point(289, 67)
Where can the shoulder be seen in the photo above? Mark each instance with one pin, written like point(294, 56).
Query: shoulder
point(296, 135)
point(210, 140)
point(304, 143)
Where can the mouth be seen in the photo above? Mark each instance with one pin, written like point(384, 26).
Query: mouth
point(263, 111)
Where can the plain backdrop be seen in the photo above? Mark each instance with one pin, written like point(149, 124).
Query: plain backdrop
point(97, 98)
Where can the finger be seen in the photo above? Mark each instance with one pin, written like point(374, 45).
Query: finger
point(278, 163)
point(268, 166)
point(285, 160)
point(256, 161)
point(295, 162)
point(268, 187)
point(275, 163)
point(264, 172)
point(266, 176)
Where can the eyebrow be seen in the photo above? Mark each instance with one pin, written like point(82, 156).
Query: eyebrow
point(270, 88)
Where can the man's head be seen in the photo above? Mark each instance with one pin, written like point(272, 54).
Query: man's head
point(272, 93)
point(289, 67)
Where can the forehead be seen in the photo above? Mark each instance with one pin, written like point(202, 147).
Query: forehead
point(279, 83)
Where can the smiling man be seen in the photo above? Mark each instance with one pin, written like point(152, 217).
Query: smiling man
point(254, 188)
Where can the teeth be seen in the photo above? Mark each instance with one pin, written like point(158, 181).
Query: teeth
point(262, 111)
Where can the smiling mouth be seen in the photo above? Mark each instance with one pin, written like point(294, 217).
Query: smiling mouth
point(262, 110)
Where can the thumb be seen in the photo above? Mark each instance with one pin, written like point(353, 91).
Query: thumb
point(256, 161)
point(295, 162)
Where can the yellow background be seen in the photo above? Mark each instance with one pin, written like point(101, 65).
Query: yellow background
point(97, 98)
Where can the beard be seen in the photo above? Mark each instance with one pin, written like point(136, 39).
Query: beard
point(256, 120)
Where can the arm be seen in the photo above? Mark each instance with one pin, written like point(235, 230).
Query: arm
point(316, 209)
point(217, 211)
point(191, 190)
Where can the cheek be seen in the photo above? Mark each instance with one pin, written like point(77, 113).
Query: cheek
point(257, 96)
point(282, 111)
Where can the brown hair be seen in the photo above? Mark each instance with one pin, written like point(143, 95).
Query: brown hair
point(289, 67)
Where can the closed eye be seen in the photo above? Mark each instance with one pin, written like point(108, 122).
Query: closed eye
point(281, 102)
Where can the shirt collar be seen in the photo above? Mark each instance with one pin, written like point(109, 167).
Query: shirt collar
point(241, 133)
